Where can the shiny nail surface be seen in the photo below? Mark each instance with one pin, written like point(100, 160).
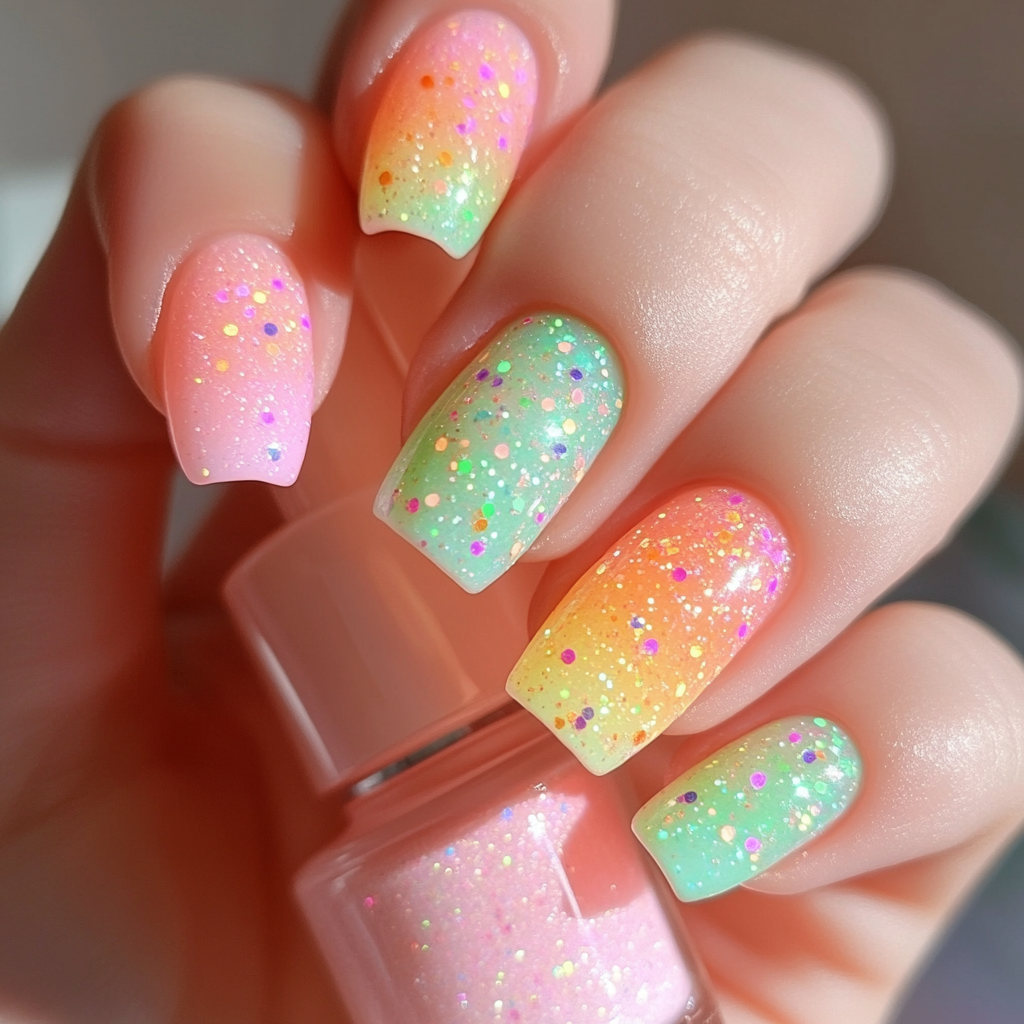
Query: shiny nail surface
point(749, 805)
point(650, 625)
point(504, 446)
point(238, 364)
point(449, 132)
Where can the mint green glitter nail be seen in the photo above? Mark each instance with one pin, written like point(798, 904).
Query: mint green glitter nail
point(504, 446)
point(749, 805)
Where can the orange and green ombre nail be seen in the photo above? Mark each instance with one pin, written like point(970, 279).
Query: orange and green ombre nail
point(449, 132)
point(651, 625)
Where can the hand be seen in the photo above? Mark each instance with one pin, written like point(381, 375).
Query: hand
point(152, 810)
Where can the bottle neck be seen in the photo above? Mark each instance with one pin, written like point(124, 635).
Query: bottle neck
point(443, 766)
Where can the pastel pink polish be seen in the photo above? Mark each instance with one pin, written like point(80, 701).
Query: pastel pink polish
point(480, 872)
point(238, 363)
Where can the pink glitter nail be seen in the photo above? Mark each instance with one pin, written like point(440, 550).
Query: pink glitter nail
point(238, 364)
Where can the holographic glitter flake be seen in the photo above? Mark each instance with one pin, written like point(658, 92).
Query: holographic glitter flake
point(756, 801)
point(449, 131)
point(238, 377)
point(480, 466)
point(653, 623)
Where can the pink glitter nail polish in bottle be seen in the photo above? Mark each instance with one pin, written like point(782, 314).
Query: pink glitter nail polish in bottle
point(482, 874)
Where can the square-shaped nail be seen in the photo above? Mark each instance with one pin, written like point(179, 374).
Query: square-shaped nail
point(504, 446)
point(649, 626)
point(238, 364)
point(450, 129)
point(749, 805)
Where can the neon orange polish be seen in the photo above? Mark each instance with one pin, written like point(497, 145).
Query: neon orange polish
point(653, 623)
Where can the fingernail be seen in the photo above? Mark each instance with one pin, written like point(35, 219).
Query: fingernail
point(504, 446)
point(238, 364)
point(450, 130)
point(650, 626)
point(749, 805)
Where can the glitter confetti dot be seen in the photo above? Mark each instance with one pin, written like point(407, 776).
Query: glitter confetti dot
point(260, 297)
point(569, 426)
point(412, 505)
point(568, 656)
point(222, 365)
point(808, 757)
point(230, 330)
point(758, 780)
point(650, 646)
point(477, 548)
point(576, 373)
point(547, 404)
point(270, 329)
point(501, 451)
point(795, 737)
point(752, 844)
point(679, 574)
point(222, 295)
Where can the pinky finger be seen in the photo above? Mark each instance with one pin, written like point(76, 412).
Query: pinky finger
point(935, 705)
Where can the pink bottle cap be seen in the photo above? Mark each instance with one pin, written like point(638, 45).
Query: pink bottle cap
point(372, 652)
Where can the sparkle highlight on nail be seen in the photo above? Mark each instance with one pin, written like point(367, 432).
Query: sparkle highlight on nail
point(654, 622)
point(507, 480)
point(449, 132)
point(239, 404)
point(754, 802)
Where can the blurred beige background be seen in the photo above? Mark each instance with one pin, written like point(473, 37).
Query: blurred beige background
point(950, 75)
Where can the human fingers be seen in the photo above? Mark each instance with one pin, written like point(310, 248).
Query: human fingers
point(85, 472)
point(437, 109)
point(931, 706)
point(228, 233)
point(840, 453)
point(623, 284)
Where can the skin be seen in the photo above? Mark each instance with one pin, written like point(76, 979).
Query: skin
point(152, 812)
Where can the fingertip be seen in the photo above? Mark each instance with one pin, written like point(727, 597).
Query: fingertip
point(193, 171)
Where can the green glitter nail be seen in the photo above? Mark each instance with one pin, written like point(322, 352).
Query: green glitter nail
point(749, 805)
point(502, 449)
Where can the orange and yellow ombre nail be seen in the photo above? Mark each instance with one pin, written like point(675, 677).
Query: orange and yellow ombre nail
point(653, 623)
point(451, 127)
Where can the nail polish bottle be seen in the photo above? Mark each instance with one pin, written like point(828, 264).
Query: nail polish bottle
point(481, 874)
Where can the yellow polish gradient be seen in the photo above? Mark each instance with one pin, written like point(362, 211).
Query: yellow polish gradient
point(651, 625)
point(449, 132)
